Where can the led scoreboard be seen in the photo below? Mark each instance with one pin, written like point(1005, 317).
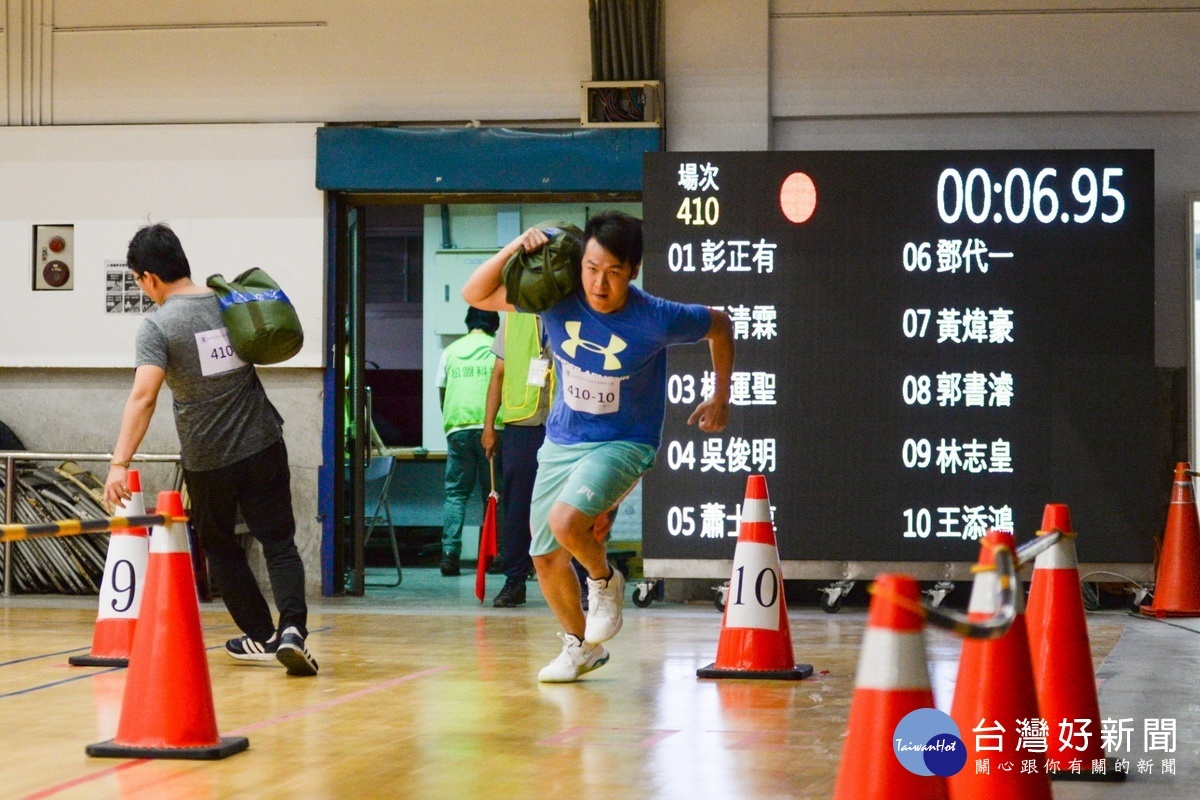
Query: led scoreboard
point(929, 344)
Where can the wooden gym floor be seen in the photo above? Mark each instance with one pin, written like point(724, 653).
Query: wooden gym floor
point(425, 694)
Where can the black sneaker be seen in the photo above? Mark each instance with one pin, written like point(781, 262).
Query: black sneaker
point(450, 565)
point(244, 648)
point(293, 653)
point(513, 594)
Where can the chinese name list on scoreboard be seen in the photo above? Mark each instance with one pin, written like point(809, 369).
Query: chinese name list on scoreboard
point(929, 344)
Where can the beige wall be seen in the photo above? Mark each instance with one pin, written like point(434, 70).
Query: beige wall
point(238, 195)
point(731, 65)
point(903, 57)
point(295, 60)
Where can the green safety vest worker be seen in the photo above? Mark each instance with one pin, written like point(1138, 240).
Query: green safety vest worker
point(519, 399)
point(464, 374)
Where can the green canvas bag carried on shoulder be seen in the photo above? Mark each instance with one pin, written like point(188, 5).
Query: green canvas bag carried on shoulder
point(264, 327)
point(536, 281)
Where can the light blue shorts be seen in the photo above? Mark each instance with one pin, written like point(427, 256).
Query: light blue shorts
point(593, 477)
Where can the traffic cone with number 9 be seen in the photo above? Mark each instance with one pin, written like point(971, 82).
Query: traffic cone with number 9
point(756, 641)
point(120, 591)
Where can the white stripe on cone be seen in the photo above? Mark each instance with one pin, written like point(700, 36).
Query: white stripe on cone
point(984, 599)
point(170, 539)
point(1060, 556)
point(756, 510)
point(135, 506)
point(892, 660)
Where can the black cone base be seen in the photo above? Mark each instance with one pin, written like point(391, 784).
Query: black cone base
point(796, 673)
point(97, 661)
point(226, 746)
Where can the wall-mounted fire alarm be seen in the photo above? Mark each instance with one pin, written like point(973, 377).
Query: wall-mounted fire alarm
point(53, 257)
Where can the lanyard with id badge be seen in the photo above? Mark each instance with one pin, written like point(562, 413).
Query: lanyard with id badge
point(539, 368)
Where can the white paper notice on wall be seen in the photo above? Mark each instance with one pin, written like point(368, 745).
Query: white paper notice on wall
point(122, 295)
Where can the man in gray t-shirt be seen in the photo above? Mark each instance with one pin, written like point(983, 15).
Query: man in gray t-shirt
point(230, 444)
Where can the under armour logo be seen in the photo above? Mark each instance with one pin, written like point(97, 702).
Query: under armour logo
point(615, 345)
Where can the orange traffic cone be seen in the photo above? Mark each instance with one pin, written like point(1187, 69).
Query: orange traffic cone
point(168, 711)
point(1062, 660)
point(892, 682)
point(120, 595)
point(995, 693)
point(756, 641)
point(1177, 588)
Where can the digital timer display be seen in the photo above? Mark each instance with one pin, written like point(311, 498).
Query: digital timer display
point(972, 195)
point(929, 344)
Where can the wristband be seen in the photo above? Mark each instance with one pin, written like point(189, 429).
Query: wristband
point(116, 463)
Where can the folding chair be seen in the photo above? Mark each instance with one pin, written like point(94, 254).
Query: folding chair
point(379, 474)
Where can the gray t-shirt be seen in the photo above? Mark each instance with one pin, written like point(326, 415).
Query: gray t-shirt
point(222, 413)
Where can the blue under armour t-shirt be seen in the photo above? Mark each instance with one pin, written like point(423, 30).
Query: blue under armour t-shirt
point(612, 368)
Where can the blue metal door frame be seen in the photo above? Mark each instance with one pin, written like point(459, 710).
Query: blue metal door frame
point(355, 163)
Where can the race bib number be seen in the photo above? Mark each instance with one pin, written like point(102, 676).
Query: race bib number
point(589, 392)
point(216, 353)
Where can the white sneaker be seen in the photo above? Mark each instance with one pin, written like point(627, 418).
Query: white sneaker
point(604, 607)
point(573, 661)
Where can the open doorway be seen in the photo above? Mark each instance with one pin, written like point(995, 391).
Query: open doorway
point(363, 167)
point(408, 259)
point(393, 261)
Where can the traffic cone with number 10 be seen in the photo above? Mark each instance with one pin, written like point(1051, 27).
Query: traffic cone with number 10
point(756, 641)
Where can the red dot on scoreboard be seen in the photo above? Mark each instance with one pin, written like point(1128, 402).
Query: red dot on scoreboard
point(798, 197)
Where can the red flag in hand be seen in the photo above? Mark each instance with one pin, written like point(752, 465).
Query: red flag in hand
point(487, 546)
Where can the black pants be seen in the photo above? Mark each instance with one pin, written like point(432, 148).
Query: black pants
point(261, 485)
point(519, 445)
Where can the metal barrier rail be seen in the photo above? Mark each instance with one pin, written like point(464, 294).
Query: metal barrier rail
point(1007, 586)
point(1035, 547)
point(74, 527)
point(1006, 605)
point(10, 483)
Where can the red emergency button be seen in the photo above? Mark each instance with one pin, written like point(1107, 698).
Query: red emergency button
point(56, 274)
point(57, 244)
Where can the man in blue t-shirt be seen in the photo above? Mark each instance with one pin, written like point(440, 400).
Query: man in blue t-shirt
point(608, 340)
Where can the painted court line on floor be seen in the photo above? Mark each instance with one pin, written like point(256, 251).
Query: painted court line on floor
point(337, 701)
point(85, 647)
point(346, 698)
point(90, 674)
point(43, 655)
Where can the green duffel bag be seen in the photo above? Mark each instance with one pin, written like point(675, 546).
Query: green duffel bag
point(536, 281)
point(264, 327)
